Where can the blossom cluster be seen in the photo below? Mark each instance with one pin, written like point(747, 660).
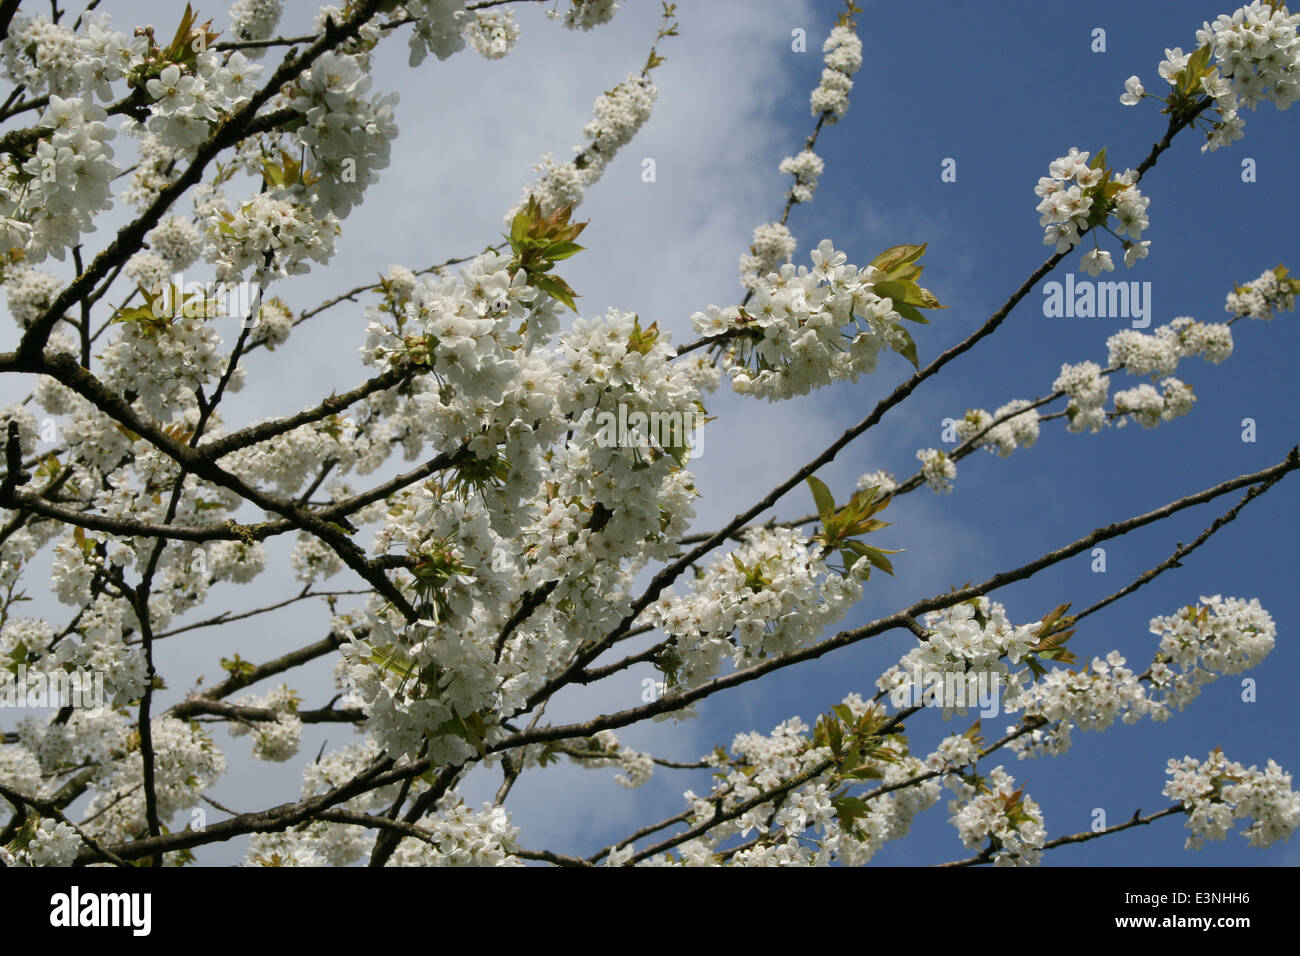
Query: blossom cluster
point(51, 199)
point(455, 835)
point(973, 641)
point(1160, 352)
point(528, 417)
point(881, 480)
point(1087, 388)
point(805, 328)
point(771, 248)
point(1149, 407)
point(348, 136)
point(779, 836)
point(806, 168)
point(617, 115)
point(460, 836)
point(992, 809)
point(585, 14)
point(48, 57)
point(186, 103)
point(939, 470)
point(636, 767)
point(254, 20)
point(492, 33)
point(1256, 59)
point(437, 29)
point(843, 58)
point(323, 843)
point(779, 595)
point(105, 741)
point(444, 27)
point(1263, 298)
point(99, 646)
point(275, 740)
point(268, 236)
point(1217, 792)
point(1079, 195)
point(1221, 635)
point(1198, 644)
point(1019, 430)
point(52, 843)
point(1156, 354)
point(166, 362)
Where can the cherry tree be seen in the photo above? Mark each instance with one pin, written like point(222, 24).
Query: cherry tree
point(505, 493)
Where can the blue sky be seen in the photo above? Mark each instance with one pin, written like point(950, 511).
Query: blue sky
point(1004, 89)
point(1001, 88)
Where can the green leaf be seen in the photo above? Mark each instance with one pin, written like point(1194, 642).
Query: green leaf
point(679, 452)
point(910, 313)
point(822, 496)
point(556, 288)
point(182, 38)
point(908, 351)
point(907, 272)
point(236, 666)
point(1112, 189)
point(1197, 67)
point(519, 227)
point(896, 256)
point(867, 772)
point(139, 313)
point(878, 560)
point(907, 292)
point(927, 299)
point(896, 289)
point(562, 250)
point(642, 340)
point(272, 174)
point(848, 809)
point(835, 733)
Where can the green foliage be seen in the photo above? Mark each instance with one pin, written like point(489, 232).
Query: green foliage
point(858, 748)
point(668, 663)
point(1056, 628)
point(287, 172)
point(436, 564)
point(472, 475)
point(189, 40)
point(897, 269)
point(236, 666)
point(539, 242)
point(642, 340)
point(842, 526)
